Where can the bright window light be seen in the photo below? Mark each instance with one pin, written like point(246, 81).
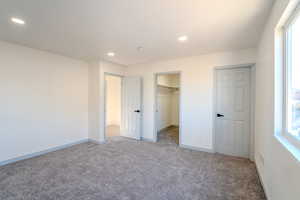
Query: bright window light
point(111, 54)
point(183, 38)
point(292, 83)
point(17, 21)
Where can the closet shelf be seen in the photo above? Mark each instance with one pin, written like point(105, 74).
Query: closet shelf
point(168, 87)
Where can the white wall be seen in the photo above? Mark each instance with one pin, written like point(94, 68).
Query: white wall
point(175, 108)
point(167, 107)
point(164, 80)
point(169, 80)
point(280, 171)
point(167, 101)
point(164, 108)
point(43, 100)
point(94, 101)
point(97, 71)
point(113, 100)
point(196, 93)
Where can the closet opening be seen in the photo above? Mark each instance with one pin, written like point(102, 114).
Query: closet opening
point(167, 108)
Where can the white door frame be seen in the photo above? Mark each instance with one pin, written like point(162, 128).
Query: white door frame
point(251, 66)
point(105, 97)
point(155, 133)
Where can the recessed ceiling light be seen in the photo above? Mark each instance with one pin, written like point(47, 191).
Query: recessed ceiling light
point(17, 21)
point(111, 54)
point(183, 38)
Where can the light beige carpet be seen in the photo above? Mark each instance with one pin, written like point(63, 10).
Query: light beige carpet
point(124, 169)
point(169, 135)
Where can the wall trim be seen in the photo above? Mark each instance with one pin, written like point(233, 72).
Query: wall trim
point(261, 180)
point(32, 155)
point(147, 140)
point(245, 65)
point(96, 141)
point(196, 148)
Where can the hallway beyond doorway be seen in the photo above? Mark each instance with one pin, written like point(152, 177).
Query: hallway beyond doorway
point(169, 135)
point(112, 130)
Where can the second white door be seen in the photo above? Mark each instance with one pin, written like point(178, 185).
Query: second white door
point(131, 107)
point(233, 112)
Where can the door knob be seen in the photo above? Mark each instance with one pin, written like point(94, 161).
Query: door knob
point(219, 115)
point(137, 111)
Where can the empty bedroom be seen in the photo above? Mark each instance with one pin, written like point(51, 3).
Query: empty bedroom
point(149, 100)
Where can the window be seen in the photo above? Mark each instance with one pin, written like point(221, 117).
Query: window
point(292, 77)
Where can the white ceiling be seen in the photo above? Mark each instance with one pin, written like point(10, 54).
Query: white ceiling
point(88, 29)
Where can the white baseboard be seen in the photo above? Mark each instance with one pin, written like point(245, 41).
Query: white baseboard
point(148, 140)
point(261, 180)
point(9, 161)
point(196, 148)
point(96, 141)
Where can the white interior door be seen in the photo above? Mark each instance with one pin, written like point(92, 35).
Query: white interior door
point(131, 107)
point(233, 112)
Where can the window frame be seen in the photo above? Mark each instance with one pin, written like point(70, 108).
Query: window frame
point(294, 140)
